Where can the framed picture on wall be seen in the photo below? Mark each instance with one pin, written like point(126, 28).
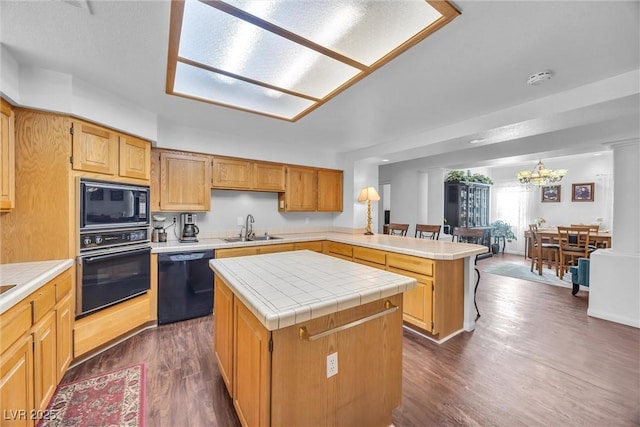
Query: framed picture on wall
point(550, 193)
point(582, 192)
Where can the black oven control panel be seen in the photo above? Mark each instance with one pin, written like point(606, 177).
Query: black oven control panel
point(107, 239)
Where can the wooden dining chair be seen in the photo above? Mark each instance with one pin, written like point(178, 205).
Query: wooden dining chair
point(574, 244)
point(542, 251)
point(424, 231)
point(398, 229)
point(476, 236)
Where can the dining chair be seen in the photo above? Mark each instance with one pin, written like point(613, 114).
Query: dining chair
point(574, 244)
point(398, 229)
point(593, 228)
point(542, 251)
point(595, 243)
point(424, 231)
point(476, 236)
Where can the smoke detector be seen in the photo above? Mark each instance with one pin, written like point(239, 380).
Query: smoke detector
point(538, 78)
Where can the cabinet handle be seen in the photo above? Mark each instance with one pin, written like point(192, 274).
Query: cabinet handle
point(33, 312)
point(304, 333)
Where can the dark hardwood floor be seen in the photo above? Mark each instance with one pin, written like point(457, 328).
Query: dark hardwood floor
point(535, 358)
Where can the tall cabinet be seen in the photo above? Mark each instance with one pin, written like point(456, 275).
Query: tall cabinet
point(466, 204)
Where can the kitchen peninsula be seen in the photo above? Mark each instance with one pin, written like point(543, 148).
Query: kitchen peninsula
point(298, 334)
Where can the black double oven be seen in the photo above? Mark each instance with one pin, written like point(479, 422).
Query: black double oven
point(115, 249)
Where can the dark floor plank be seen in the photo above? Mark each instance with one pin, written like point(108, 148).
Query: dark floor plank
point(535, 358)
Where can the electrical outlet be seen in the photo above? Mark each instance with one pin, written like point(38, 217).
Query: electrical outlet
point(174, 219)
point(332, 365)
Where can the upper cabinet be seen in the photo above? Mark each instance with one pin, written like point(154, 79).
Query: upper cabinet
point(7, 159)
point(301, 190)
point(184, 181)
point(330, 190)
point(135, 158)
point(100, 150)
point(231, 173)
point(242, 174)
point(95, 149)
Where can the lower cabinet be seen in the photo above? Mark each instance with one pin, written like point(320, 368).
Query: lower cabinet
point(35, 339)
point(223, 336)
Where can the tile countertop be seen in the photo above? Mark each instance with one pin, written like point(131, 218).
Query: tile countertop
point(286, 288)
point(28, 277)
point(424, 248)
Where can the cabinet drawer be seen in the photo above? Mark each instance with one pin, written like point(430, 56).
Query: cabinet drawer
point(14, 323)
point(372, 255)
point(270, 249)
point(340, 249)
point(63, 285)
point(419, 277)
point(232, 252)
point(43, 301)
point(410, 263)
point(310, 246)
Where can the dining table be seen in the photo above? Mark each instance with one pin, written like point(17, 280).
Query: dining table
point(600, 239)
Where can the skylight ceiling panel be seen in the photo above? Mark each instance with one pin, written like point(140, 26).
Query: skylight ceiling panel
point(201, 84)
point(363, 30)
point(246, 50)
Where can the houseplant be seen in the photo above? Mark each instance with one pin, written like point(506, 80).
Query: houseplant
point(501, 230)
point(460, 176)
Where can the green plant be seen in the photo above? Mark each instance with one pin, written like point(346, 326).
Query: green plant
point(502, 229)
point(460, 176)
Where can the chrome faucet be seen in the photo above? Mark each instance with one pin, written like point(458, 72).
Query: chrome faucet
point(248, 226)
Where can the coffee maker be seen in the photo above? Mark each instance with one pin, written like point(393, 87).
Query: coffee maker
point(189, 228)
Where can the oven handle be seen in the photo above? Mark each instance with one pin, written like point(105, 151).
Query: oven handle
point(112, 254)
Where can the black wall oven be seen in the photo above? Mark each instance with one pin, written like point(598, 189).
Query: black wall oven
point(112, 205)
point(115, 250)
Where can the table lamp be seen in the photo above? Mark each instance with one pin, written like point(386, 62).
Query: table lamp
point(368, 194)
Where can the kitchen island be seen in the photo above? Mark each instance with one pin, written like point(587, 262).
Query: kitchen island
point(303, 338)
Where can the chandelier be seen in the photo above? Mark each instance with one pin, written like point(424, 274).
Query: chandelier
point(540, 176)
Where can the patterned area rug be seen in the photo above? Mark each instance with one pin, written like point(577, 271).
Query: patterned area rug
point(519, 271)
point(112, 399)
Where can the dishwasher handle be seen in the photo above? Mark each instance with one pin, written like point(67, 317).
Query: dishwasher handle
point(186, 256)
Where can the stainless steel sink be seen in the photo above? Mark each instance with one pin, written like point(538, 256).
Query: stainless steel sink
point(235, 239)
point(5, 288)
point(266, 237)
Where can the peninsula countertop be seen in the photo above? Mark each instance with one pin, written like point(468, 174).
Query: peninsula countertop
point(424, 248)
point(28, 277)
point(283, 289)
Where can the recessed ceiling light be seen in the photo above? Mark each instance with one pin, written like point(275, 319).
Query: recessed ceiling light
point(385, 160)
point(477, 141)
point(283, 58)
point(538, 78)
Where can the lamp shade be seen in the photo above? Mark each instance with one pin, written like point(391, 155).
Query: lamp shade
point(368, 193)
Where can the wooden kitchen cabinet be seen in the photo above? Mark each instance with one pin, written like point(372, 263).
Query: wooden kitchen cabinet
point(301, 190)
point(251, 368)
point(35, 337)
point(7, 158)
point(268, 176)
point(135, 158)
point(95, 149)
point(16, 383)
point(185, 182)
point(330, 190)
point(231, 174)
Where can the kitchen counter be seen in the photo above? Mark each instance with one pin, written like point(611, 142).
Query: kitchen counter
point(28, 277)
point(286, 288)
point(424, 248)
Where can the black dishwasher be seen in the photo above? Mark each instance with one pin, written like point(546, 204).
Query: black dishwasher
point(185, 286)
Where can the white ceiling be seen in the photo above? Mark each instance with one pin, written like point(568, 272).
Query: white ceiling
point(467, 80)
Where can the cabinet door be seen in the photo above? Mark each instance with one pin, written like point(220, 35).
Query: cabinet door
point(330, 190)
point(223, 331)
point(417, 304)
point(185, 182)
point(45, 360)
point(7, 159)
point(64, 332)
point(135, 158)
point(251, 368)
point(16, 383)
point(268, 176)
point(95, 149)
point(231, 173)
point(300, 191)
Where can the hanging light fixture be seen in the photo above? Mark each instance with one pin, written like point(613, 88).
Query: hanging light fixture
point(540, 176)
